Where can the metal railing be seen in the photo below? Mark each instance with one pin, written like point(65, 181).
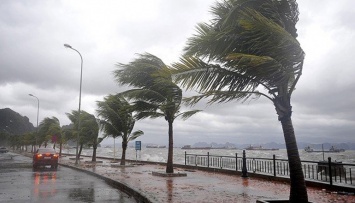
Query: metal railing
point(324, 171)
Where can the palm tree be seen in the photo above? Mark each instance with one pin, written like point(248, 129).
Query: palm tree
point(29, 139)
point(249, 49)
point(89, 128)
point(155, 94)
point(48, 129)
point(117, 120)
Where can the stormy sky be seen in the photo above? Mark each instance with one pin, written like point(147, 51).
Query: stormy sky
point(34, 61)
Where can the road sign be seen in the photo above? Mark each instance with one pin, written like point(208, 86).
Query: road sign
point(138, 145)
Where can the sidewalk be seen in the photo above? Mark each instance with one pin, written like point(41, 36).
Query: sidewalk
point(197, 186)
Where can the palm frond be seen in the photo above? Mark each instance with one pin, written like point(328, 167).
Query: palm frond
point(193, 72)
point(224, 96)
point(116, 115)
point(145, 66)
point(135, 135)
point(187, 114)
point(247, 44)
point(149, 95)
point(148, 114)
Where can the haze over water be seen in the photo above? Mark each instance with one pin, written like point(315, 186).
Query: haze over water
point(161, 154)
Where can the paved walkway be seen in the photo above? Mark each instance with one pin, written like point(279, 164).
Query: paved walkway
point(198, 186)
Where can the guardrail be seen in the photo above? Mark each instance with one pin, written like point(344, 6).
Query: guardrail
point(324, 171)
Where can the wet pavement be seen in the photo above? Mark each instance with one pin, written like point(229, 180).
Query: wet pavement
point(20, 183)
point(198, 186)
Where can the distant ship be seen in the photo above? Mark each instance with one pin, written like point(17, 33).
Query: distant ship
point(331, 150)
point(260, 148)
point(189, 147)
point(334, 149)
point(155, 146)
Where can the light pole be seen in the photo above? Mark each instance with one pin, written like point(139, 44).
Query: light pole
point(81, 75)
point(37, 119)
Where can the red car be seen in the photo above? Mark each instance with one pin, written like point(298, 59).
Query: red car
point(44, 157)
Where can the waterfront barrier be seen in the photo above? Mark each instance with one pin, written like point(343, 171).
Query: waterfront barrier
point(331, 172)
point(316, 173)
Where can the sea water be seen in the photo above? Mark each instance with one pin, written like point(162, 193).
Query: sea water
point(161, 154)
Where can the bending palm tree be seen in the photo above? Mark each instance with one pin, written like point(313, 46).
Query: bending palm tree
point(156, 95)
point(49, 128)
point(117, 120)
point(89, 127)
point(252, 50)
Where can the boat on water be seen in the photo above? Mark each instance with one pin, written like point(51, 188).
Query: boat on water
point(334, 149)
point(331, 150)
point(309, 149)
point(260, 148)
point(155, 146)
point(190, 147)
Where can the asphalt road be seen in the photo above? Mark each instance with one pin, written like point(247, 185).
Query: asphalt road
point(20, 183)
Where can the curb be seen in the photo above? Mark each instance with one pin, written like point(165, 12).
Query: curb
point(121, 186)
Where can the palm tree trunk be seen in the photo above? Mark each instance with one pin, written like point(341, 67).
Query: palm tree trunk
point(124, 148)
point(60, 149)
point(298, 191)
point(80, 149)
point(94, 152)
point(169, 165)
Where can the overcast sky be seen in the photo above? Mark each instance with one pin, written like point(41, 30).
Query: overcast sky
point(34, 61)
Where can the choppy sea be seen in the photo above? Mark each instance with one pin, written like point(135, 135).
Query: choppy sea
point(161, 154)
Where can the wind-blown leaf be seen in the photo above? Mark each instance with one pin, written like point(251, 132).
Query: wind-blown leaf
point(187, 114)
point(135, 135)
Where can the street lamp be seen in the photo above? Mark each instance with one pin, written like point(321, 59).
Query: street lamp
point(81, 75)
point(37, 117)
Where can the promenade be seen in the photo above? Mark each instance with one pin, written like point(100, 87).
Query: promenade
point(197, 186)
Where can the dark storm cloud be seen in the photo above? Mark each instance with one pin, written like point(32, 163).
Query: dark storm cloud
point(34, 60)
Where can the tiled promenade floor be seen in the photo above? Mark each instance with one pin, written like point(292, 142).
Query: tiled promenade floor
point(199, 186)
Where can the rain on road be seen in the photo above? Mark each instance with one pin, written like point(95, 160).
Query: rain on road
point(20, 183)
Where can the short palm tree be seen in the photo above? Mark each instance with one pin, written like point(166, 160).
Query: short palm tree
point(116, 120)
point(249, 49)
point(89, 128)
point(155, 95)
point(48, 129)
point(29, 139)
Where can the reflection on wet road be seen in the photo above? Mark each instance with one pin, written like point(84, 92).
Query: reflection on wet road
point(20, 183)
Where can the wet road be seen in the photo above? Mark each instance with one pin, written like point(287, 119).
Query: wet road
point(20, 183)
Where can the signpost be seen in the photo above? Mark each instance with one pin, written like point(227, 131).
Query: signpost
point(138, 147)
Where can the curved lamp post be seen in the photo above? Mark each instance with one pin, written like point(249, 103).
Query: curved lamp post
point(37, 118)
point(81, 75)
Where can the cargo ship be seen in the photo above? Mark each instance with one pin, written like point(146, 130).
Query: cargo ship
point(260, 148)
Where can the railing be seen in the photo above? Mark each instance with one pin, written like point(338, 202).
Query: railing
point(325, 171)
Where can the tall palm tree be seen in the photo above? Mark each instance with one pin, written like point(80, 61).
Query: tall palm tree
point(249, 49)
point(117, 120)
point(155, 95)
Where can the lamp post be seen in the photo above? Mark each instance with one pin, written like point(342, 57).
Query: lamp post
point(81, 75)
point(37, 118)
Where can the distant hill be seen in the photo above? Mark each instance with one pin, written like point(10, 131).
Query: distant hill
point(270, 145)
point(13, 123)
